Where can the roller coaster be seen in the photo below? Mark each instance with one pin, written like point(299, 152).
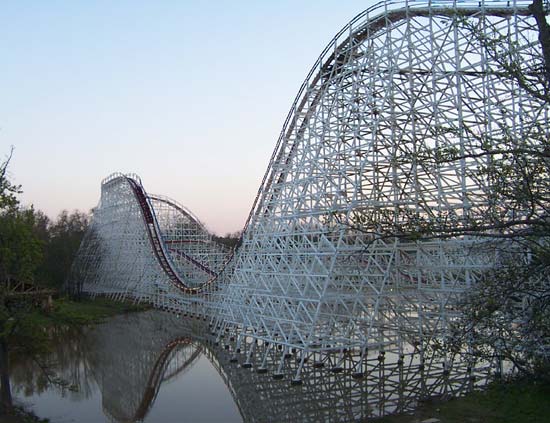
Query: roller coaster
point(403, 80)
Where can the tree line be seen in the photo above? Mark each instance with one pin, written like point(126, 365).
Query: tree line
point(35, 252)
point(507, 313)
point(35, 249)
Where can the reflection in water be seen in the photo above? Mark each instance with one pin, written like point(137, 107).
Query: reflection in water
point(132, 356)
point(66, 370)
point(127, 360)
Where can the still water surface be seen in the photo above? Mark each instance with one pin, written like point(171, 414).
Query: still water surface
point(158, 368)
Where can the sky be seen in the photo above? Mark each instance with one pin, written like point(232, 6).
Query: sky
point(190, 95)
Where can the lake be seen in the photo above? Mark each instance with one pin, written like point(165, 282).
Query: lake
point(161, 368)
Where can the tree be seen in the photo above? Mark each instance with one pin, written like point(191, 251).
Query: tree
point(508, 313)
point(34, 252)
point(20, 248)
point(537, 8)
point(8, 191)
point(231, 240)
point(20, 252)
point(61, 241)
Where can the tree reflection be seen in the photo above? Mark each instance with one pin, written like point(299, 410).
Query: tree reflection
point(65, 369)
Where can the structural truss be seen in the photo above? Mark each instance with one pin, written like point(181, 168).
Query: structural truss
point(402, 80)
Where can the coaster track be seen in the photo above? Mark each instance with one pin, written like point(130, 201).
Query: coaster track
point(157, 243)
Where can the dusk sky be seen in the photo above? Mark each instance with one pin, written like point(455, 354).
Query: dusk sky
point(189, 95)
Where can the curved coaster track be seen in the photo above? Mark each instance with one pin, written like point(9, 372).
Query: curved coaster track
point(362, 153)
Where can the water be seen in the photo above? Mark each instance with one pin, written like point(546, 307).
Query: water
point(156, 367)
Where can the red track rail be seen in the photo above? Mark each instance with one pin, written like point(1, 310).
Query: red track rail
point(193, 261)
point(157, 374)
point(156, 243)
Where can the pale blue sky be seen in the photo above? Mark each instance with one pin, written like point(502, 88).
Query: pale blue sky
point(190, 95)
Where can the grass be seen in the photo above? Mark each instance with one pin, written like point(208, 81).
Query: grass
point(89, 311)
point(515, 401)
point(66, 312)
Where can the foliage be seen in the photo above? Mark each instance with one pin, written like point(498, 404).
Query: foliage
point(515, 401)
point(508, 158)
point(33, 252)
point(86, 312)
point(231, 240)
point(61, 241)
point(20, 415)
point(20, 249)
point(8, 191)
point(508, 316)
point(511, 155)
